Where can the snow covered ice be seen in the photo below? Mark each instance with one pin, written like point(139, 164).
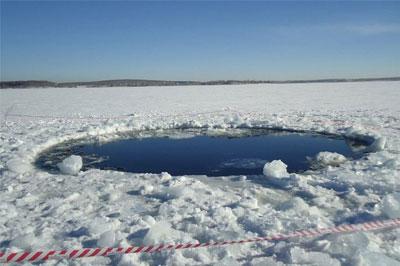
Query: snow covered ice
point(78, 209)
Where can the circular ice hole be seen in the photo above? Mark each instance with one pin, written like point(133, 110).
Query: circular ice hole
point(200, 151)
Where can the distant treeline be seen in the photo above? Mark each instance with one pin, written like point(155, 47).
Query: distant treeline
point(143, 82)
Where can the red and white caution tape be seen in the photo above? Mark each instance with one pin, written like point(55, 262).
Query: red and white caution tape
point(34, 256)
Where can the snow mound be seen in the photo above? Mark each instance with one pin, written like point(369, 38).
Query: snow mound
point(71, 165)
point(325, 158)
point(391, 205)
point(275, 169)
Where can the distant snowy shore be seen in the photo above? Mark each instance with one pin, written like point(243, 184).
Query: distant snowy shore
point(40, 210)
point(18, 84)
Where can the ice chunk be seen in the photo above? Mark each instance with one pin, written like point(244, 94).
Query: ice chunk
point(262, 261)
point(107, 239)
point(391, 205)
point(250, 202)
point(165, 176)
point(100, 225)
point(367, 258)
point(326, 158)
point(295, 203)
point(180, 191)
point(161, 232)
point(275, 169)
point(18, 166)
point(24, 241)
point(223, 214)
point(228, 261)
point(146, 189)
point(149, 220)
point(71, 165)
point(377, 145)
point(300, 256)
point(348, 244)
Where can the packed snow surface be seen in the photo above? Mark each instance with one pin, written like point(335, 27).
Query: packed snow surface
point(77, 209)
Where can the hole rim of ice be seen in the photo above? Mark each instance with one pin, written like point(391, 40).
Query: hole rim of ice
point(364, 141)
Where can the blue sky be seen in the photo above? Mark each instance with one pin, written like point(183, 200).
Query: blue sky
point(88, 40)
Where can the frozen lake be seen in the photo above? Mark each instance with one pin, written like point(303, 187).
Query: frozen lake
point(43, 210)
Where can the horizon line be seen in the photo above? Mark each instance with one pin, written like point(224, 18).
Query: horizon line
point(201, 81)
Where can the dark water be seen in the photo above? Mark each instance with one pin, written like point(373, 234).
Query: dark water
point(242, 152)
